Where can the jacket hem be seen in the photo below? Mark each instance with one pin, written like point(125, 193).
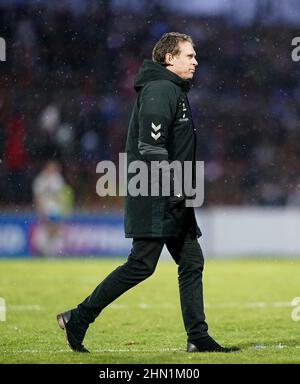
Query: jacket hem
point(152, 235)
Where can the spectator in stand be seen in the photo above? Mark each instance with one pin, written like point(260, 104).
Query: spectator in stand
point(53, 201)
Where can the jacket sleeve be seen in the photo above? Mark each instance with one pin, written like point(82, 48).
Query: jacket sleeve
point(156, 113)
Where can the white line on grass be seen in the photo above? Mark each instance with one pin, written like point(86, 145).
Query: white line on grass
point(98, 350)
point(276, 346)
point(254, 305)
point(127, 350)
point(24, 307)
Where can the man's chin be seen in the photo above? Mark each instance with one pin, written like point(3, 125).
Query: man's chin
point(189, 77)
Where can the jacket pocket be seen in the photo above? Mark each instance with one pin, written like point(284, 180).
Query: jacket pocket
point(174, 215)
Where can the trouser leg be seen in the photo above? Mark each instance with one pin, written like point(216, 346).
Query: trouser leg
point(141, 264)
point(187, 253)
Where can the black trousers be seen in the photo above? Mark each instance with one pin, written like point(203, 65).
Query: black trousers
point(141, 264)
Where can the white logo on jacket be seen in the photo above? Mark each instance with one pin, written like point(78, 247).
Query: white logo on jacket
point(183, 118)
point(155, 128)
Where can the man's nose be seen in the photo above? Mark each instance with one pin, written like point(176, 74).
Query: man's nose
point(195, 62)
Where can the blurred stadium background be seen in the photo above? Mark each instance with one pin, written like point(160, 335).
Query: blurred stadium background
point(66, 95)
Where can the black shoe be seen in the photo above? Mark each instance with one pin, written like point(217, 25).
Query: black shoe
point(208, 344)
point(74, 331)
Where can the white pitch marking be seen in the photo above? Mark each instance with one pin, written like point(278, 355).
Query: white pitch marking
point(98, 350)
point(259, 304)
point(117, 306)
point(126, 350)
point(24, 307)
point(140, 350)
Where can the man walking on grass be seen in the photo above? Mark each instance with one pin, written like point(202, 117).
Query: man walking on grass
point(160, 130)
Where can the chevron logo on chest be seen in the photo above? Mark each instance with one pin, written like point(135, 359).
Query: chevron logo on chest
point(155, 128)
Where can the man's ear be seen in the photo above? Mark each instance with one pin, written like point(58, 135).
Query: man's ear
point(169, 58)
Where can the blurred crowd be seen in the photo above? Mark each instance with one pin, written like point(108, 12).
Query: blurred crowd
point(66, 93)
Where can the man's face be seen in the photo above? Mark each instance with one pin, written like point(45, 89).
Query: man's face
point(184, 64)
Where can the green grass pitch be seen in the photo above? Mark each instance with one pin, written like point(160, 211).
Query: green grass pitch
point(248, 303)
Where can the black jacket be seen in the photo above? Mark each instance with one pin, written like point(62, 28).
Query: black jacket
point(160, 128)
